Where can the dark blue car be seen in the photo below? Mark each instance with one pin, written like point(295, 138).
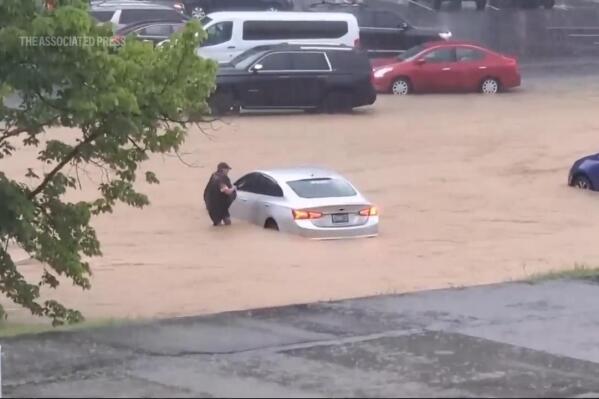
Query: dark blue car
point(584, 174)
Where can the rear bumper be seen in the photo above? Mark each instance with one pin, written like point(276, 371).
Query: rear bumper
point(306, 228)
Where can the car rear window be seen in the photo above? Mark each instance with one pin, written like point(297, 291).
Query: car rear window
point(129, 16)
point(321, 188)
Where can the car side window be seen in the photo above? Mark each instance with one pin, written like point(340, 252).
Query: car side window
point(388, 20)
point(469, 54)
point(247, 183)
point(102, 16)
point(440, 55)
point(156, 30)
point(267, 186)
point(309, 62)
point(218, 33)
point(276, 62)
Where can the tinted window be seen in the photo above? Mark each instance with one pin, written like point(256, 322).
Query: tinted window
point(267, 186)
point(321, 188)
point(440, 55)
point(156, 30)
point(218, 33)
point(309, 62)
point(387, 20)
point(469, 54)
point(275, 30)
point(350, 60)
point(276, 62)
point(130, 16)
point(247, 183)
point(365, 18)
point(102, 16)
point(411, 52)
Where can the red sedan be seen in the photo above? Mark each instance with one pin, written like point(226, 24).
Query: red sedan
point(446, 66)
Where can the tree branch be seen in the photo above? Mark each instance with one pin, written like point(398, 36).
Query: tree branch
point(61, 164)
point(15, 132)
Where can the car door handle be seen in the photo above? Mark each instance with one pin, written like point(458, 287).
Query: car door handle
point(231, 47)
point(266, 205)
point(446, 69)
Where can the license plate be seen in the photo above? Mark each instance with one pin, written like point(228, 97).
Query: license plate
point(340, 218)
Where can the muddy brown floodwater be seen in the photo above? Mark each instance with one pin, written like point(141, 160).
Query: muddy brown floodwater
point(471, 189)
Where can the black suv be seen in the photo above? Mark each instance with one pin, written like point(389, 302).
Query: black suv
point(322, 78)
point(199, 8)
point(383, 31)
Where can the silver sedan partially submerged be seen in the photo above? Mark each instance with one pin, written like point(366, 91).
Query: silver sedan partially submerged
point(311, 202)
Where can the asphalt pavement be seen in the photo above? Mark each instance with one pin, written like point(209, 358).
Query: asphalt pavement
point(507, 340)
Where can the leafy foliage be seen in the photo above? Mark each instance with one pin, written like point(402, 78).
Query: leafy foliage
point(125, 103)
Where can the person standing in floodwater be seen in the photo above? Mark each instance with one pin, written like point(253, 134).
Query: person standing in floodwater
point(219, 194)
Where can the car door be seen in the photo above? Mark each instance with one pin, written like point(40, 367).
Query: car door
point(270, 82)
point(472, 66)
point(310, 71)
point(437, 71)
point(219, 45)
point(268, 196)
point(245, 203)
point(392, 39)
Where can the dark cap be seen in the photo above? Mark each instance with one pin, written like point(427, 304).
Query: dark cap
point(223, 166)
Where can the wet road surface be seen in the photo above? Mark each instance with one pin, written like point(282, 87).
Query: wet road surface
point(510, 340)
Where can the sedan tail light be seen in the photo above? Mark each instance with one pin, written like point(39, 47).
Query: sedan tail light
point(118, 40)
point(372, 211)
point(303, 215)
point(357, 43)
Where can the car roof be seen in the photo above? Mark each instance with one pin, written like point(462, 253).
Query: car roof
point(453, 43)
point(129, 4)
point(299, 173)
point(281, 15)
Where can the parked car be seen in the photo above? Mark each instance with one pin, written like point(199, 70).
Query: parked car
point(200, 8)
point(446, 66)
point(322, 78)
point(125, 12)
point(311, 202)
point(384, 32)
point(231, 33)
point(151, 31)
point(584, 173)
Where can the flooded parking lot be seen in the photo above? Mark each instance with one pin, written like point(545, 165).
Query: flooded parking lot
point(471, 190)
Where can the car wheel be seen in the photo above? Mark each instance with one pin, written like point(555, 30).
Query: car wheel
point(548, 4)
point(338, 102)
point(489, 86)
point(481, 4)
point(270, 224)
point(223, 104)
point(582, 182)
point(437, 4)
point(401, 87)
point(198, 12)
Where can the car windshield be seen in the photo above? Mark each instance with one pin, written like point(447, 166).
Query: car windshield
point(322, 188)
point(410, 53)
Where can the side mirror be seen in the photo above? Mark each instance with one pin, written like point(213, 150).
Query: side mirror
point(257, 68)
point(403, 25)
point(420, 61)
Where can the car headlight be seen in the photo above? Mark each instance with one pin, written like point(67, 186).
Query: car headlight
point(445, 35)
point(379, 73)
